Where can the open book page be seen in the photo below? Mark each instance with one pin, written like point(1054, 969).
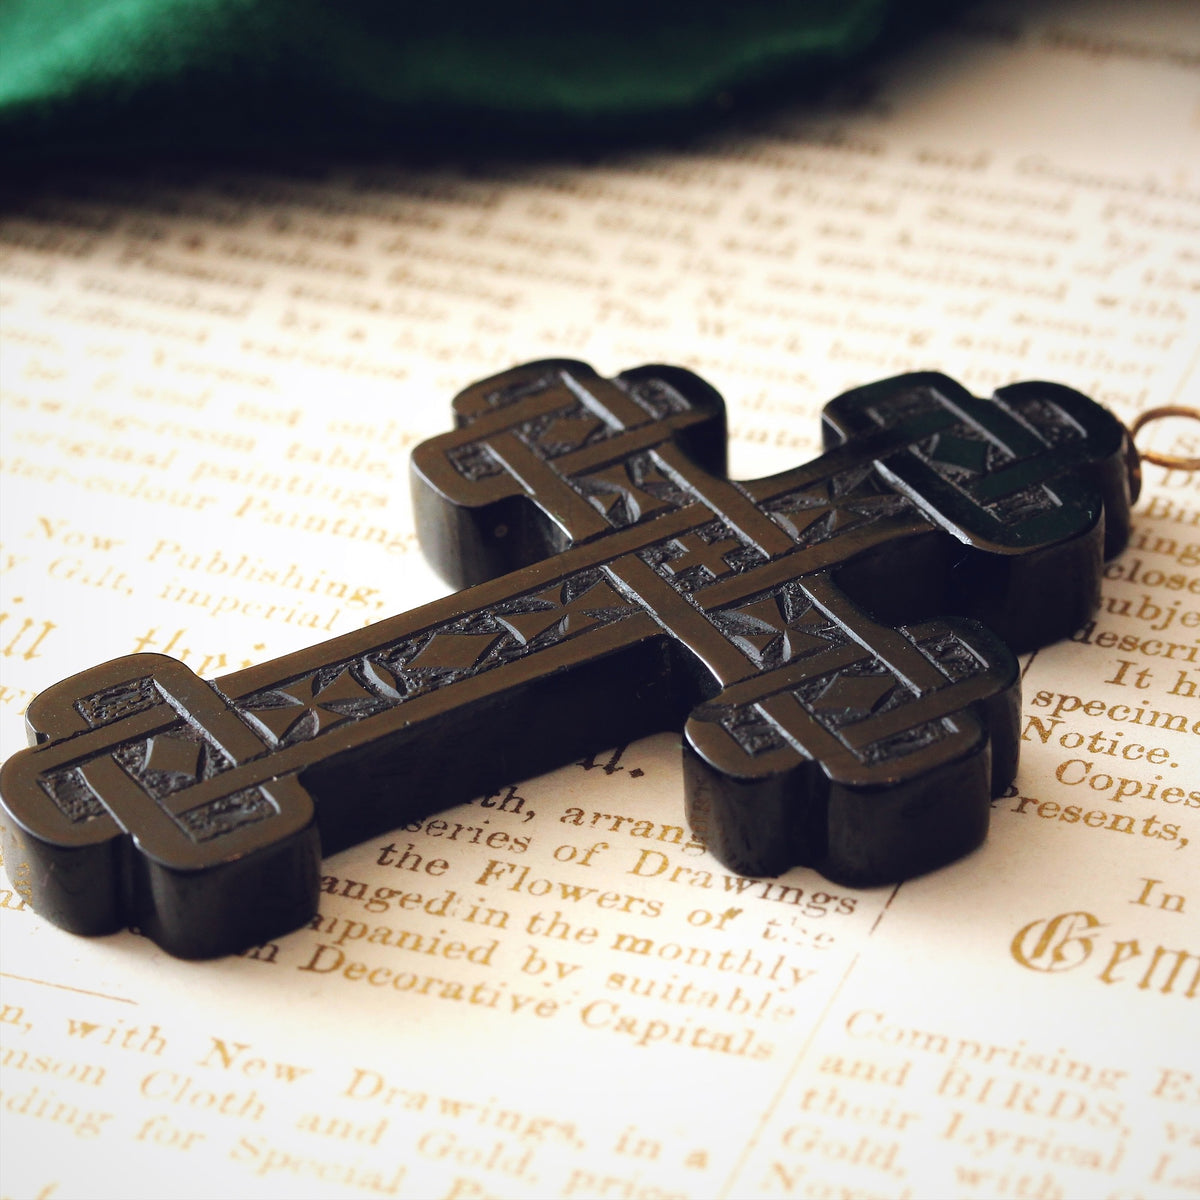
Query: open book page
point(212, 383)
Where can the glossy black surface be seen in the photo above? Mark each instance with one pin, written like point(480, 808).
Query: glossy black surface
point(816, 635)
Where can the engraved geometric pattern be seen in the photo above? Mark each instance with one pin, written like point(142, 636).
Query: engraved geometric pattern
point(579, 420)
point(1018, 506)
point(781, 626)
point(657, 397)
point(474, 460)
point(907, 408)
point(1052, 424)
point(72, 795)
point(391, 674)
point(851, 694)
point(702, 556)
point(512, 393)
point(311, 705)
point(965, 453)
point(123, 700)
point(226, 814)
point(850, 700)
point(564, 610)
point(951, 655)
point(961, 452)
point(631, 489)
point(752, 729)
point(564, 431)
point(174, 758)
point(839, 504)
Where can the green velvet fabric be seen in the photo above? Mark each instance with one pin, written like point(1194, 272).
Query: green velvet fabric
point(134, 75)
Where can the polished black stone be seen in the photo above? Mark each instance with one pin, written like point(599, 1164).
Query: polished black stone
point(836, 643)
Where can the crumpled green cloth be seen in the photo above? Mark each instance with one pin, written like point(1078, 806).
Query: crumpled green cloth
point(98, 76)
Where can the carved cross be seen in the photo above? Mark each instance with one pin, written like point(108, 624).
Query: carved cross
point(617, 583)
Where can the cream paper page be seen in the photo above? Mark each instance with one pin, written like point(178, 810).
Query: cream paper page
point(212, 382)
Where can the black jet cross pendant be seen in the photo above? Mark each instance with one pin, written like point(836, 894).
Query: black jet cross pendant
point(617, 584)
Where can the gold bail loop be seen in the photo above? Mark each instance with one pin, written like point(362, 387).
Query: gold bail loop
point(1176, 462)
